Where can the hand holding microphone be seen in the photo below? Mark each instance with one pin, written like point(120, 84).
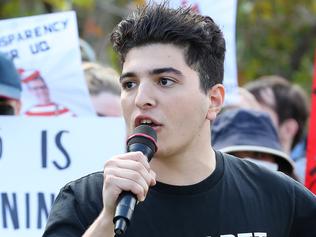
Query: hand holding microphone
point(130, 176)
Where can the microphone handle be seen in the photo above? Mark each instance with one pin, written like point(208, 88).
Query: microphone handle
point(149, 153)
point(127, 200)
point(124, 212)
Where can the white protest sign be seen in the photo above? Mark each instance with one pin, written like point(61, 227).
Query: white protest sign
point(224, 14)
point(38, 156)
point(45, 49)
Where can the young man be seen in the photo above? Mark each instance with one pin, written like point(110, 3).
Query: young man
point(171, 79)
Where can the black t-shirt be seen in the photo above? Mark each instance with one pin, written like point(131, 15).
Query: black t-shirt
point(239, 199)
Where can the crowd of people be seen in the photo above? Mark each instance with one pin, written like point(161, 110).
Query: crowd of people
point(220, 170)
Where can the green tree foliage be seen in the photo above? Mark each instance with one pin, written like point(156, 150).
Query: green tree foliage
point(276, 37)
point(273, 36)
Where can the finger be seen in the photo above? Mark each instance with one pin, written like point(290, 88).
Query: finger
point(153, 178)
point(136, 177)
point(132, 165)
point(116, 183)
point(136, 156)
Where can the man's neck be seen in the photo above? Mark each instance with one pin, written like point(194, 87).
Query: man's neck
point(185, 169)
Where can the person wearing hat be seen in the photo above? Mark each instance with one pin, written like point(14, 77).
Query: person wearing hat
point(288, 106)
point(251, 135)
point(10, 87)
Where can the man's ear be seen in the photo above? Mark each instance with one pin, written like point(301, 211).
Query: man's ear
point(216, 96)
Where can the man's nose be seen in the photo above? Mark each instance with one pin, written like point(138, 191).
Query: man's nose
point(145, 96)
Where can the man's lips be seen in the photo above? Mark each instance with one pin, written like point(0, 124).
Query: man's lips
point(147, 121)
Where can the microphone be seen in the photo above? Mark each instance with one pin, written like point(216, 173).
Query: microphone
point(143, 139)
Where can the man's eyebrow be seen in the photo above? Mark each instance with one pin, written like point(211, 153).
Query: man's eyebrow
point(166, 70)
point(128, 74)
point(154, 72)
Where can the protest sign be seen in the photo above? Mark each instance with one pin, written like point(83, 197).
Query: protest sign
point(45, 49)
point(38, 156)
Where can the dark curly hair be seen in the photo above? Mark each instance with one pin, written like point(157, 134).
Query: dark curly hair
point(199, 36)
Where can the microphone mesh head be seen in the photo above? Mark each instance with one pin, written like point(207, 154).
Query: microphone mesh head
point(145, 129)
point(144, 134)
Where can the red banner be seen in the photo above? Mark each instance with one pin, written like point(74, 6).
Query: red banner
point(310, 179)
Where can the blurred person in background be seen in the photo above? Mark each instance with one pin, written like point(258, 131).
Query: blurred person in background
point(38, 88)
point(288, 107)
point(104, 89)
point(250, 135)
point(10, 87)
point(244, 100)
